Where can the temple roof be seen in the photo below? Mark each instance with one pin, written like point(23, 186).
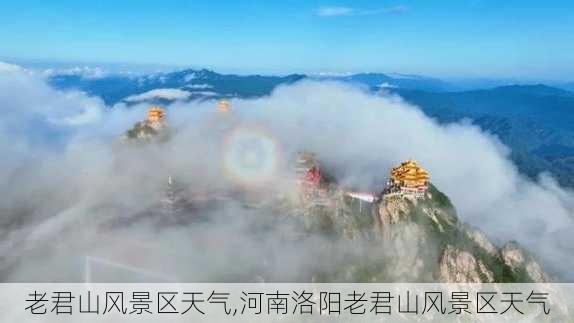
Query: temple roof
point(155, 114)
point(409, 171)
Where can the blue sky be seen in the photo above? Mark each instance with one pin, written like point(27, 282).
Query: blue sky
point(449, 38)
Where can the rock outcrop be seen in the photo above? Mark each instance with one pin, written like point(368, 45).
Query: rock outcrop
point(420, 239)
point(466, 254)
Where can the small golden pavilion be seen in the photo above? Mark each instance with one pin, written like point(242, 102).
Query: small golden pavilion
point(409, 176)
point(156, 114)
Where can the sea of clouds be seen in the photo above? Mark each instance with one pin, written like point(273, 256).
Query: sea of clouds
point(64, 175)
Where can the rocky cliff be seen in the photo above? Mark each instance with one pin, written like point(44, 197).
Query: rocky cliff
point(412, 239)
point(147, 131)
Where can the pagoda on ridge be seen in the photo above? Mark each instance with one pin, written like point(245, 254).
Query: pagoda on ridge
point(311, 180)
point(154, 126)
point(308, 170)
point(156, 117)
point(408, 179)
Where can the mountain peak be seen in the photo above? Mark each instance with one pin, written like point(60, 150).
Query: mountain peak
point(415, 224)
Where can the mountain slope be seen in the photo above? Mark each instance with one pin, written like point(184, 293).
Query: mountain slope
point(401, 237)
point(542, 104)
point(534, 121)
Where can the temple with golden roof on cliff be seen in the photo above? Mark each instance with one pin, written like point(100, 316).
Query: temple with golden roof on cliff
point(408, 178)
point(156, 114)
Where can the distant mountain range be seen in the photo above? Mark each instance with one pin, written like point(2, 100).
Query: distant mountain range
point(535, 121)
point(196, 83)
point(401, 81)
point(208, 84)
point(567, 86)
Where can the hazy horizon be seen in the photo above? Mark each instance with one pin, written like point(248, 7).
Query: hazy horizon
point(469, 38)
point(115, 68)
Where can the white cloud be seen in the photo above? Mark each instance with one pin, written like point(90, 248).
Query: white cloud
point(86, 72)
point(387, 85)
point(198, 86)
point(336, 11)
point(190, 77)
point(205, 93)
point(27, 97)
point(5, 67)
point(78, 192)
point(166, 94)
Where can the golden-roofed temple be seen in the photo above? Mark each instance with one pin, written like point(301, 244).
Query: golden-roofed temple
point(156, 114)
point(223, 106)
point(408, 178)
point(410, 174)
